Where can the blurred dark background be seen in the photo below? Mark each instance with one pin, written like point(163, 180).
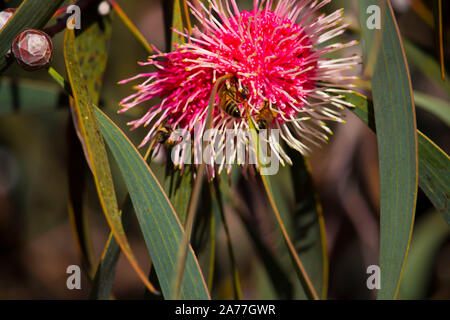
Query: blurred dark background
point(36, 239)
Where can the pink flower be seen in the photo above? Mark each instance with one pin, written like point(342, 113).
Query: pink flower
point(278, 55)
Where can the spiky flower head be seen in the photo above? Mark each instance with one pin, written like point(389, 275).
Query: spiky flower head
point(278, 55)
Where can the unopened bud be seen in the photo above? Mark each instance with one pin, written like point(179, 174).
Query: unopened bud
point(5, 16)
point(33, 49)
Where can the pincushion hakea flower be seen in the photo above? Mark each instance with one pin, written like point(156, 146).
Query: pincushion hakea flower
point(33, 49)
point(277, 55)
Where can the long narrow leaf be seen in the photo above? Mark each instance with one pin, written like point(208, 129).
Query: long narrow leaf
point(104, 275)
point(95, 149)
point(92, 44)
point(178, 188)
point(434, 178)
point(397, 149)
point(159, 223)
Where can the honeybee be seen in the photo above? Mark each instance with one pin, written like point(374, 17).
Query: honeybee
point(265, 117)
point(163, 136)
point(230, 98)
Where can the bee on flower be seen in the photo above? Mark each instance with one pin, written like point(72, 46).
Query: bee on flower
point(280, 76)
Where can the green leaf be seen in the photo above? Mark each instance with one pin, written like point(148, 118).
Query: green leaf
point(104, 276)
point(31, 14)
point(435, 106)
point(434, 164)
point(428, 237)
point(434, 175)
point(160, 226)
point(92, 44)
point(84, 118)
point(397, 149)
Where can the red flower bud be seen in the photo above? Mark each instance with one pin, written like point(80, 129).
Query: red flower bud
point(33, 49)
point(5, 16)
